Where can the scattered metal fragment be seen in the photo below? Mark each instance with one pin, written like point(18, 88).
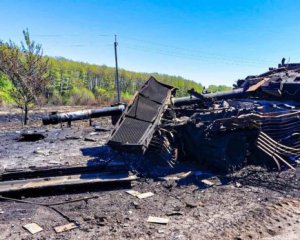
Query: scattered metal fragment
point(101, 128)
point(177, 176)
point(184, 175)
point(66, 227)
point(207, 182)
point(140, 195)
point(33, 228)
point(175, 213)
point(133, 193)
point(145, 195)
point(158, 220)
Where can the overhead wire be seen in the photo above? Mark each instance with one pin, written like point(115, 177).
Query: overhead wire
point(145, 45)
point(190, 56)
point(184, 49)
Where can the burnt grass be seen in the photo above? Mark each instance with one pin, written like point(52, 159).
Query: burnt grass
point(253, 203)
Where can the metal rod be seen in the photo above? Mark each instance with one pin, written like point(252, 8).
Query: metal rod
point(48, 204)
point(235, 93)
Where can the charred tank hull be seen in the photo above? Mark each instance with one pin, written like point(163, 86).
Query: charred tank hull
point(257, 132)
point(256, 122)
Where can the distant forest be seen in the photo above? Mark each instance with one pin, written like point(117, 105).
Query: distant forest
point(78, 83)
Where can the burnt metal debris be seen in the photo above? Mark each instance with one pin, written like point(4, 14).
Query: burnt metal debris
point(255, 122)
point(37, 179)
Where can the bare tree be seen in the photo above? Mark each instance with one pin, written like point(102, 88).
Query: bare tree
point(28, 70)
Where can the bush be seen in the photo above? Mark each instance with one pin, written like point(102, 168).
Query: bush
point(81, 96)
point(104, 96)
point(5, 88)
point(126, 97)
point(5, 98)
point(56, 98)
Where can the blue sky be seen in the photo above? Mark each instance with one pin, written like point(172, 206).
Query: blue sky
point(211, 42)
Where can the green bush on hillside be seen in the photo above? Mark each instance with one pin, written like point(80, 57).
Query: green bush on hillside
point(5, 88)
point(81, 96)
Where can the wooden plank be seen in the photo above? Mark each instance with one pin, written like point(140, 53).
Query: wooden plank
point(78, 179)
point(158, 220)
point(133, 193)
point(257, 85)
point(33, 228)
point(140, 195)
point(207, 182)
point(145, 195)
point(65, 227)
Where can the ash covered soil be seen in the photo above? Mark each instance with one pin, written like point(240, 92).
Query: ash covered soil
point(253, 203)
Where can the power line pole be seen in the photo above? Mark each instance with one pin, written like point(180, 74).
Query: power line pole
point(117, 83)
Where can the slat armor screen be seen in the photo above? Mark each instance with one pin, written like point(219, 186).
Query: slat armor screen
point(137, 124)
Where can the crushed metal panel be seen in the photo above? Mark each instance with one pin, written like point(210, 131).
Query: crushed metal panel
point(143, 109)
point(136, 126)
point(155, 91)
point(65, 181)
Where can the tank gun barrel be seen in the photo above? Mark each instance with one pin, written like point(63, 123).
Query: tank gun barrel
point(235, 93)
point(81, 115)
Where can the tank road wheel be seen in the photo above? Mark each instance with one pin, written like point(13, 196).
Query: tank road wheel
point(226, 152)
point(221, 153)
point(164, 147)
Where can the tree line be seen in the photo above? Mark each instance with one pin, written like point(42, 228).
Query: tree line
point(76, 83)
point(97, 83)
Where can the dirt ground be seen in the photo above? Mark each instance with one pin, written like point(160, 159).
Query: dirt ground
point(253, 203)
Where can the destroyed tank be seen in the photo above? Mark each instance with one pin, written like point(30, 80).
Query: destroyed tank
point(257, 122)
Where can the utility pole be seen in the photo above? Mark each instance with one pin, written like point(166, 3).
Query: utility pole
point(117, 73)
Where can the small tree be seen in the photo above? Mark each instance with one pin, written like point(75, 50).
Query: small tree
point(28, 70)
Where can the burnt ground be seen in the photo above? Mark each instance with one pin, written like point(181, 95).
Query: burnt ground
point(253, 203)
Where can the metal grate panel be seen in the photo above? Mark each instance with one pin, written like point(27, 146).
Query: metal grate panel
point(144, 109)
point(138, 123)
point(130, 131)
